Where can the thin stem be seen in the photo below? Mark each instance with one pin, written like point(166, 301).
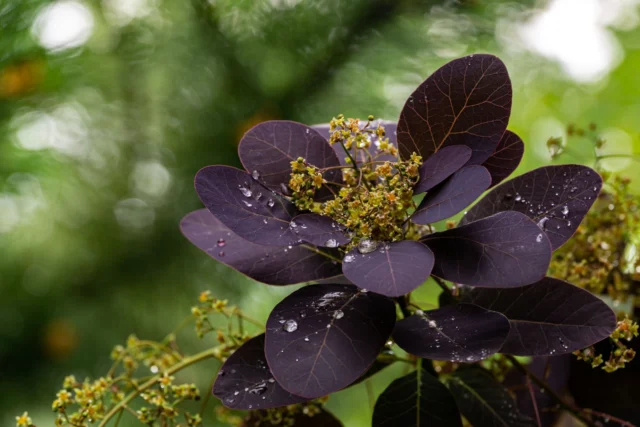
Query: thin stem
point(443, 285)
point(534, 402)
point(178, 367)
point(543, 385)
point(119, 418)
point(319, 252)
point(353, 162)
point(370, 395)
point(209, 393)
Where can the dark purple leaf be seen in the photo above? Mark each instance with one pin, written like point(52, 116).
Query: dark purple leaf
point(550, 317)
point(483, 401)
point(441, 165)
point(457, 333)
point(393, 269)
point(555, 197)
point(273, 265)
point(322, 338)
point(390, 129)
point(269, 148)
point(465, 102)
point(377, 366)
point(453, 195)
point(501, 251)
point(244, 381)
point(299, 419)
point(416, 400)
point(246, 207)
point(320, 230)
point(506, 157)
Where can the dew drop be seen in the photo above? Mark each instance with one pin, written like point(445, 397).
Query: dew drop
point(247, 204)
point(518, 197)
point(565, 210)
point(539, 238)
point(331, 243)
point(306, 339)
point(290, 326)
point(221, 253)
point(349, 258)
point(245, 191)
point(271, 203)
point(367, 246)
point(221, 243)
point(255, 175)
point(419, 313)
point(542, 222)
point(338, 314)
point(258, 389)
point(433, 324)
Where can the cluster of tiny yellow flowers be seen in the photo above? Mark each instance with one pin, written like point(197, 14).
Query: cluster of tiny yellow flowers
point(376, 194)
point(626, 330)
point(24, 420)
point(598, 257)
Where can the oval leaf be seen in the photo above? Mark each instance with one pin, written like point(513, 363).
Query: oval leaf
point(441, 165)
point(273, 265)
point(483, 401)
point(416, 400)
point(390, 131)
point(393, 269)
point(506, 158)
point(299, 419)
point(550, 317)
point(453, 195)
point(465, 102)
point(269, 148)
point(320, 230)
point(246, 207)
point(322, 338)
point(555, 197)
point(456, 333)
point(244, 381)
point(501, 251)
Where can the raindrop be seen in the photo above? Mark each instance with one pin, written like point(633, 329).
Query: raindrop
point(221, 243)
point(271, 380)
point(258, 388)
point(565, 210)
point(542, 222)
point(349, 258)
point(221, 253)
point(508, 196)
point(255, 175)
point(367, 246)
point(419, 313)
point(338, 314)
point(265, 221)
point(284, 188)
point(271, 203)
point(331, 243)
point(290, 326)
point(245, 191)
point(433, 324)
point(518, 197)
point(306, 339)
point(293, 224)
point(539, 238)
point(247, 204)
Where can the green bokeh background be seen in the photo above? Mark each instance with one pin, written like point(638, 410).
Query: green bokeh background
point(99, 144)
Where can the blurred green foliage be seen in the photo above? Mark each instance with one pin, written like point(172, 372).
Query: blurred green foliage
point(108, 108)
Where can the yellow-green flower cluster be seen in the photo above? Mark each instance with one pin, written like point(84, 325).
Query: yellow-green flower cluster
point(626, 330)
point(373, 200)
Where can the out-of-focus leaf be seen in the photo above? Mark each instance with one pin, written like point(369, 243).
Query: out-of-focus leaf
point(322, 338)
point(550, 317)
point(246, 207)
point(483, 401)
point(465, 102)
point(504, 250)
point(453, 195)
point(457, 333)
point(300, 419)
point(244, 381)
point(269, 148)
point(393, 269)
point(390, 129)
point(506, 158)
point(441, 165)
point(555, 197)
point(273, 265)
point(320, 230)
point(416, 400)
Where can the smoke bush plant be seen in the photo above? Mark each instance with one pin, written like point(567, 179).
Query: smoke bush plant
point(352, 206)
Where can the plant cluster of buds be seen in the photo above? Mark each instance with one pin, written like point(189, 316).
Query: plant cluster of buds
point(376, 194)
point(620, 355)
